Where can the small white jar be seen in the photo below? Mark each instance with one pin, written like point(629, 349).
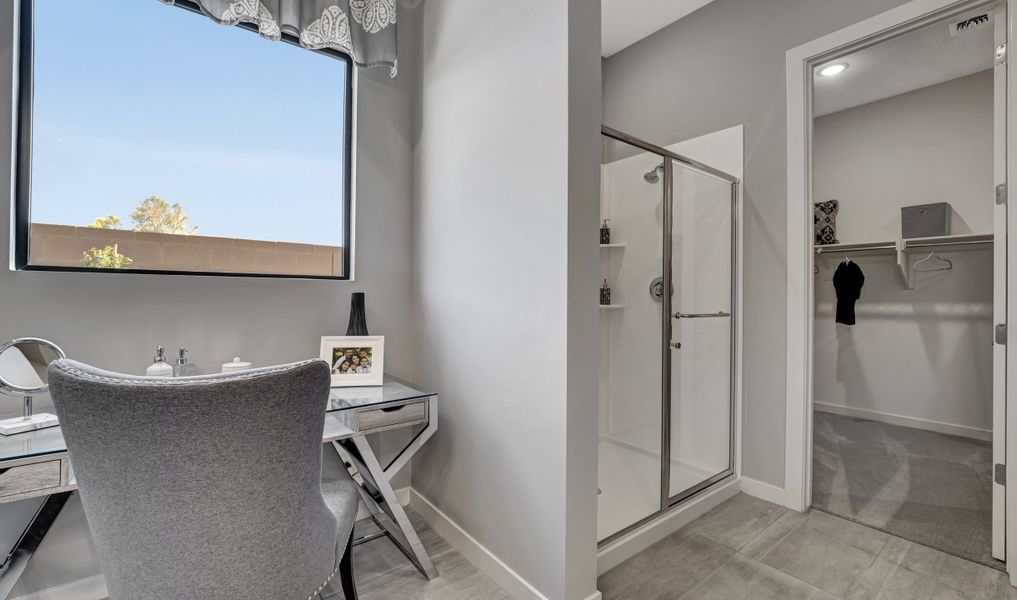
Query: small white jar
point(235, 366)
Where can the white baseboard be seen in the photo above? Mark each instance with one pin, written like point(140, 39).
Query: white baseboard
point(475, 552)
point(905, 421)
point(89, 588)
point(763, 491)
point(649, 534)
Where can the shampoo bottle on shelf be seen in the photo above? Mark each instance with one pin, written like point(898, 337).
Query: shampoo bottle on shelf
point(605, 232)
point(159, 366)
point(605, 294)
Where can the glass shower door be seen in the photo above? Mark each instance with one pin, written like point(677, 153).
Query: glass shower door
point(629, 481)
point(702, 332)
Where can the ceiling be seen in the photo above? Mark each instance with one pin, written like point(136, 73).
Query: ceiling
point(924, 57)
point(625, 22)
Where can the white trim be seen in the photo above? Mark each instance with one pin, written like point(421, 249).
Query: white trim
point(905, 421)
point(763, 491)
point(354, 150)
point(475, 552)
point(800, 258)
point(634, 542)
point(89, 588)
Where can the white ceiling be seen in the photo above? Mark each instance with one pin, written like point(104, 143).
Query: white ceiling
point(625, 22)
point(913, 61)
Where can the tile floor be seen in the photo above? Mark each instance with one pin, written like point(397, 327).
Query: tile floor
point(384, 573)
point(748, 549)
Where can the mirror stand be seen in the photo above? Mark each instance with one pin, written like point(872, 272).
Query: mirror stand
point(23, 372)
point(27, 422)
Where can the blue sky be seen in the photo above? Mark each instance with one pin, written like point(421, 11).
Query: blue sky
point(135, 98)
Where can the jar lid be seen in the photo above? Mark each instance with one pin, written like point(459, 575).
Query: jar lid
point(236, 365)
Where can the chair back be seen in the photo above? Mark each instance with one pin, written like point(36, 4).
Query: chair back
point(202, 487)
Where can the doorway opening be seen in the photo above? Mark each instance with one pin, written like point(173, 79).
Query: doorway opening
point(897, 280)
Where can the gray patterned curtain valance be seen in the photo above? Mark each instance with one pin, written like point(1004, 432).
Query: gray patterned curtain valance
point(364, 29)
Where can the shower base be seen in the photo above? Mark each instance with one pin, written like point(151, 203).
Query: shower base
point(629, 484)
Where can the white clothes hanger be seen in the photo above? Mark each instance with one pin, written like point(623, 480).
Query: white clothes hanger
point(932, 262)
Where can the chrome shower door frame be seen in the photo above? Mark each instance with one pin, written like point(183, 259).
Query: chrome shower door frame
point(669, 502)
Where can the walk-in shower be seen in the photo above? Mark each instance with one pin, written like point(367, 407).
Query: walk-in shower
point(667, 360)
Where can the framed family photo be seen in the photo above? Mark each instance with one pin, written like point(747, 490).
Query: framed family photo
point(354, 361)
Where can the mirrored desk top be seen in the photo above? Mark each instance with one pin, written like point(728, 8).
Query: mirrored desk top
point(393, 391)
point(51, 441)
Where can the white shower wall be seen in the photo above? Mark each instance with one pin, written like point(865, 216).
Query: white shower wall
point(630, 374)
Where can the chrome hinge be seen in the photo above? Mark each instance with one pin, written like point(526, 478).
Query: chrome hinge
point(1000, 55)
point(1001, 334)
point(1001, 194)
point(999, 474)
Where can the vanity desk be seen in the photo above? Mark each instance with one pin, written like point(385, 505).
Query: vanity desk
point(36, 464)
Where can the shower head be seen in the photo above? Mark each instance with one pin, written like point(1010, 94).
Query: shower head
point(652, 176)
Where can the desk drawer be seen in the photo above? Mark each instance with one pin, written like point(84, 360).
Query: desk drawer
point(29, 478)
point(391, 416)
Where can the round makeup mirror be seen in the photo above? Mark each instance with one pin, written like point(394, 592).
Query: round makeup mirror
point(23, 372)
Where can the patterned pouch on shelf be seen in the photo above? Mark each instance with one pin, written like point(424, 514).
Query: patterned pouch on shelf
point(825, 220)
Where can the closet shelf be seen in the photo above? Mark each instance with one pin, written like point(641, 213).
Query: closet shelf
point(966, 239)
point(900, 248)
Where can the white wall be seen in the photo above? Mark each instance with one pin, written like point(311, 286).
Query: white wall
point(506, 176)
point(116, 320)
point(923, 354)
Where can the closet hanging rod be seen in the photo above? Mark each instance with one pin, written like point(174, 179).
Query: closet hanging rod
point(841, 248)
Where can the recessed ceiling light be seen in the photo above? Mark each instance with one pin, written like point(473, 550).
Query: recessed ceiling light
point(831, 70)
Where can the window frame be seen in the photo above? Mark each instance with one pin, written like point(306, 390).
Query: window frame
point(24, 24)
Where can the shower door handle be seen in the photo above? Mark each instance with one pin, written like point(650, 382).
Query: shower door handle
point(681, 315)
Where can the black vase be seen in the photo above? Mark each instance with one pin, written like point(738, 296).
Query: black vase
point(358, 316)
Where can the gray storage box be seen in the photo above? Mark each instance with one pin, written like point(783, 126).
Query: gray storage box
point(925, 220)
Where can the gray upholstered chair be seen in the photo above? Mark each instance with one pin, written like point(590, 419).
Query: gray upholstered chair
point(208, 487)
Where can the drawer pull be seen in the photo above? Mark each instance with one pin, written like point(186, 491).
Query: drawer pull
point(392, 409)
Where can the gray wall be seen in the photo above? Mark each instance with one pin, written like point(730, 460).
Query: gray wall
point(499, 203)
point(722, 66)
point(116, 320)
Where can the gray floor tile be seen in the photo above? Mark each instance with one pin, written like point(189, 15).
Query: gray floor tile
point(735, 522)
point(742, 578)
point(666, 570)
point(973, 581)
point(825, 551)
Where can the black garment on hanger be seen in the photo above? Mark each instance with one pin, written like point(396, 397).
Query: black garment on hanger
point(848, 281)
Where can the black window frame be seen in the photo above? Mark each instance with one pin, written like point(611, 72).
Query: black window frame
point(21, 230)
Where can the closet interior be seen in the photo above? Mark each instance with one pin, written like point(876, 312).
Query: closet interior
point(907, 148)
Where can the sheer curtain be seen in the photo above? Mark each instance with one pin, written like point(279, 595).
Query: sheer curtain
point(364, 29)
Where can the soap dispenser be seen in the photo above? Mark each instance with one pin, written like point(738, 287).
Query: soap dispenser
point(184, 367)
point(605, 294)
point(159, 366)
point(605, 232)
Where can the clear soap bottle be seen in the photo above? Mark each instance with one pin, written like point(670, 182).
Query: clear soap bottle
point(184, 367)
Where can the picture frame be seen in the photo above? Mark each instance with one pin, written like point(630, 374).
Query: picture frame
point(355, 360)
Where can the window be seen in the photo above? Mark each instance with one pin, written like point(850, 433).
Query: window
point(151, 139)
